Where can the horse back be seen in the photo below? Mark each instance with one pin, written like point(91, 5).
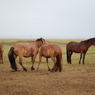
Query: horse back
point(50, 49)
point(76, 47)
point(22, 48)
point(25, 49)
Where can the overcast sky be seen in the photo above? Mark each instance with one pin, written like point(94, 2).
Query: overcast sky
point(50, 19)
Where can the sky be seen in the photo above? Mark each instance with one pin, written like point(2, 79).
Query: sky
point(50, 19)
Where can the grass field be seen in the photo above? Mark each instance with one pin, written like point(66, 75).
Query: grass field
point(75, 79)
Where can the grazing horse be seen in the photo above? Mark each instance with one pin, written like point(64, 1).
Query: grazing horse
point(1, 54)
point(24, 50)
point(54, 52)
point(79, 47)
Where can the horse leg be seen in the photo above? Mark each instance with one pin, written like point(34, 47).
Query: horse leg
point(83, 57)
point(47, 64)
point(80, 58)
point(40, 59)
point(32, 68)
point(33, 61)
point(20, 62)
point(2, 60)
point(55, 66)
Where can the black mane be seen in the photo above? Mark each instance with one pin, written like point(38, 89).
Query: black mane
point(41, 39)
point(88, 40)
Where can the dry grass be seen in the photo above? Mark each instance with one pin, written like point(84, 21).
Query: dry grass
point(75, 79)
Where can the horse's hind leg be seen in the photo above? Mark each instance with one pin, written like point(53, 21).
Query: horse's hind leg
point(20, 62)
point(33, 61)
point(54, 67)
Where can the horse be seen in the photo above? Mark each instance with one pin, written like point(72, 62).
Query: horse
point(1, 54)
point(53, 51)
point(24, 50)
point(79, 47)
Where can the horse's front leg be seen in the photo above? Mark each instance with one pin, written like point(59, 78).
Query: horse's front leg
point(47, 64)
point(83, 57)
point(1, 59)
point(40, 59)
point(20, 62)
point(80, 58)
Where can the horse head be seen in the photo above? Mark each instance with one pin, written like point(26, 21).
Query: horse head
point(41, 39)
point(40, 42)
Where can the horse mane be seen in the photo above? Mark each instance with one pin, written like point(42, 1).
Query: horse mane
point(87, 41)
point(41, 39)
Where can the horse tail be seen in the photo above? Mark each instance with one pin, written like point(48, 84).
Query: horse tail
point(68, 56)
point(58, 62)
point(12, 58)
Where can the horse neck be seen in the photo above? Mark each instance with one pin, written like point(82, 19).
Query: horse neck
point(90, 43)
point(39, 44)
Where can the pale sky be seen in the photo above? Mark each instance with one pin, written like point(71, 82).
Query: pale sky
point(50, 19)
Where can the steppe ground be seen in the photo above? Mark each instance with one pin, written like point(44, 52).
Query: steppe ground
point(75, 79)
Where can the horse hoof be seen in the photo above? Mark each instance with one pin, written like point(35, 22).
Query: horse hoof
point(15, 69)
point(25, 69)
point(32, 68)
point(49, 69)
point(52, 70)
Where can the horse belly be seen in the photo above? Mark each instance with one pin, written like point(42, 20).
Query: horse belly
point(27, 54)
point(75, 49)
point(46, 54)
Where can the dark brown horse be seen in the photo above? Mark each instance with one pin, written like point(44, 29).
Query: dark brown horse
point(24, 50)
point(52, 51)
point(1, 54)
point(79, 47)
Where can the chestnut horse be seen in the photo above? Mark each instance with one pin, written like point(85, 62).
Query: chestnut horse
point(79, 47)
point(1, 54)
point(24, 50)
point(54, 52)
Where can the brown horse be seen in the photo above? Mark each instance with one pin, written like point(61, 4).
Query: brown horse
point(52, 51)
point(24, 50)
point(79, 47)
point(1, 54)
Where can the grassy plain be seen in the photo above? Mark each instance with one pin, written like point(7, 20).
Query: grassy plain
point(75, 79)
